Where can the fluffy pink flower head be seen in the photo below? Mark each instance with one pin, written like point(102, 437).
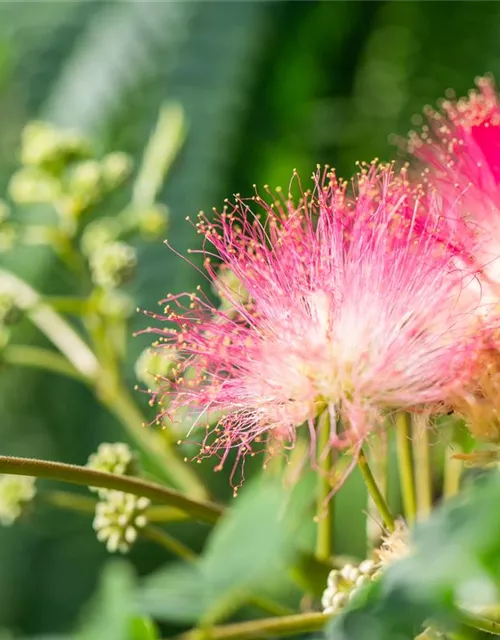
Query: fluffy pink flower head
point(352, 308)
point(460, 148)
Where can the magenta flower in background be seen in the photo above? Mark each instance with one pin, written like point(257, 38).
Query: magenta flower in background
point(459, 147)
point(353, 306)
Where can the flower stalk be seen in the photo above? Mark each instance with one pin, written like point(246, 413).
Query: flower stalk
point(276, 627)
point(374, 491)
point(405, 461)
point(324, 501)
point(422, 460)
point(73, 474)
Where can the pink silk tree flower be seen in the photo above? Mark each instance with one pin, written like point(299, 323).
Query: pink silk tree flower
point(459, 147)
point(352, 306)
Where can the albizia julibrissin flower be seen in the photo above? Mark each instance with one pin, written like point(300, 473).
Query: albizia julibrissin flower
point(351, 307)
point(459, 147)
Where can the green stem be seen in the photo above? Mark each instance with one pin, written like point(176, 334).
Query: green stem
point(83, 504)
point(405, 459)
point(201, 510)
point(52, 325)
point(165, 540)
point(67, 304)
point(374, 491)
point(422, 459)
point(40, 358)
point(283, 626)
point(269, 606)
point(380, 470)
point(324, 506)
point(452, 475)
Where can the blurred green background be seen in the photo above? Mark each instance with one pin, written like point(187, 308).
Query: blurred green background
point(266, 87)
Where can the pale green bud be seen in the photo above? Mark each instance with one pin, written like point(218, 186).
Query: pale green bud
point(15, 493)
point(113, 264)
point(99, 233)
point(152, 222)
point(229, 288)
point(34, 186)
point(115, 304)
point(116, 167)
point(84, 179)
point(118, 519)
point(154, 365)
point(116, 457)
point(42, 144)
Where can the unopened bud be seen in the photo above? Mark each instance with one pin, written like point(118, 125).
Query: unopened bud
point(42, 144)
point(115, 169)
point(118, 519)
point(116, 457)
point(154, 365)
point(15, 493)
point(99, 233)
point(33, 186)
point(113, 264)
point(229, 288)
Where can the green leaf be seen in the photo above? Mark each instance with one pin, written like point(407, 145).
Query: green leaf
point(455, 563)
point(143, 629)
point(177, 592)
point(248, 553)
point(111, 609)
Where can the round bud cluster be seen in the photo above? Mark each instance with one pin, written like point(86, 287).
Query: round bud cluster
point(154, 365)
point(15, 493)
point(43, 145)
point(114, 304)
point(149, 221)
point(343, 584)
point(113, 264)
point(99, 233)
point(116, 167)
point(118, 519)
point(116, 457)
point(31, 185)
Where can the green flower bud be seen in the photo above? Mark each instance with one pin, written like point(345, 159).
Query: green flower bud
point(118, 519)
point(152, 222)
point(43, 145)
point(115, 304)
point(229, 288)
point(84, 179)
point(34, 186)
point(15, 493)
point(115, 169)
point(99, 233)
point(116, 457)
point(155, 364)
point(113, 264)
